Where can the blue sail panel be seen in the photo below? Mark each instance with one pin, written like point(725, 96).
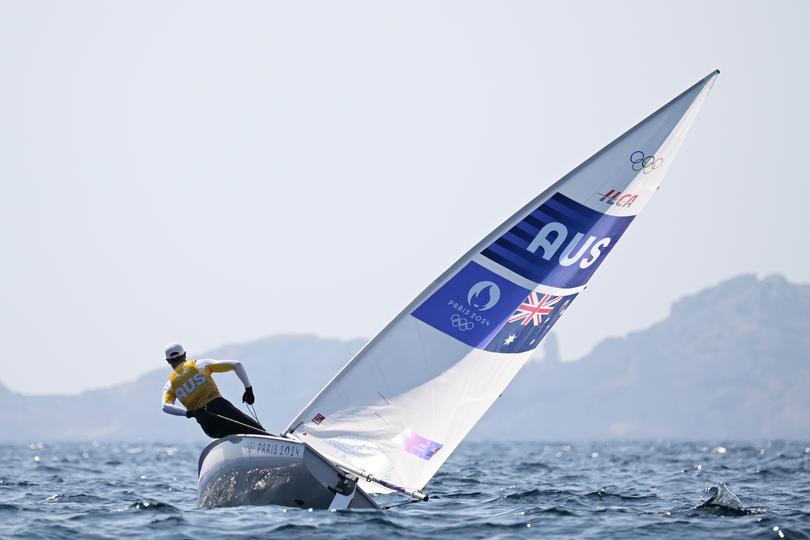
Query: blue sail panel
point(472, 306)
point(560, 244)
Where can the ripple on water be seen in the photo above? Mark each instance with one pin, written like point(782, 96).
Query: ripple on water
point(550, 510)
point(82, 498)
point(164, 522)
point(604, 495)
point(532, 466)
point(538, 493)
point(460, 495)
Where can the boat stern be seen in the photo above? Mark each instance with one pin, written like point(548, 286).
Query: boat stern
point(260, 470)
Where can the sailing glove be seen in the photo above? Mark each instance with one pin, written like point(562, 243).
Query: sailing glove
point(190, 413)
point(247, 397)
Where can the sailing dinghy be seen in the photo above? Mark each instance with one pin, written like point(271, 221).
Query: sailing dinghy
point(397, 410)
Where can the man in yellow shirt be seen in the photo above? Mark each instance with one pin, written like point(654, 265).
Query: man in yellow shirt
point(192, 383)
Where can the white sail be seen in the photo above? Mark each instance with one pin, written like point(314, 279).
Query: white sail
point(400, 407)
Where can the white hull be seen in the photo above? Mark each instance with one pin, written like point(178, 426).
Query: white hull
point(259, 470)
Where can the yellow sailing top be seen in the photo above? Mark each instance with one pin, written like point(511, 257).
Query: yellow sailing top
point(192, 383)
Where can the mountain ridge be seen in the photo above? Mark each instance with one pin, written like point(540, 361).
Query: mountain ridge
point(729, 361)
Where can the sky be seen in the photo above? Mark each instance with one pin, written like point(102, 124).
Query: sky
point(216, 172)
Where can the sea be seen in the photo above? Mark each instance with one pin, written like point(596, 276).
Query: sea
point(630, 489)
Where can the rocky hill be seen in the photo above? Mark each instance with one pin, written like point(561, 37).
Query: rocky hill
point(730, 362)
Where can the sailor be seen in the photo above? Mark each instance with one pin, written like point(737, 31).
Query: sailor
point(192, 383)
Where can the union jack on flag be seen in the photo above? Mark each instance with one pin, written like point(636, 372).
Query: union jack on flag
point(529, 323)
point(534, 308)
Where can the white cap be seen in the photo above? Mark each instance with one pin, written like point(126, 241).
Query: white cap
point(174, 350)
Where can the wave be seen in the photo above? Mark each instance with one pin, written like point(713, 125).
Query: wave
point(723, 501)
point(153, 506)
point(61, 497)
point(163, 522)
point(551, 510)
point(603, 494)
point(535, 493)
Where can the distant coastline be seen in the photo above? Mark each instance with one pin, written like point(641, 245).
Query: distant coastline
point(730, 362)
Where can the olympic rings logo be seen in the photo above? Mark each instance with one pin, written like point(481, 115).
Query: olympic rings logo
point(646, 164)
point(461, 323)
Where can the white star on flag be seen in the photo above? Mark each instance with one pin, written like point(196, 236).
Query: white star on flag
point(509, 339)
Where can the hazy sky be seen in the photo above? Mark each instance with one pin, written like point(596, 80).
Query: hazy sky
point(218, 172)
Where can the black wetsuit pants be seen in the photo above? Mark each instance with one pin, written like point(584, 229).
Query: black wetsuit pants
point(209, 418)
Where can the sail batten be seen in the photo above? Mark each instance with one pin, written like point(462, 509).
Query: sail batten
point(407, 399)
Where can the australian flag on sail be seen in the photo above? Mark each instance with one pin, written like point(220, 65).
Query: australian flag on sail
point(531, 321)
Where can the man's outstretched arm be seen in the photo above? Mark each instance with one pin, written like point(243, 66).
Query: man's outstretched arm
point(219, 366)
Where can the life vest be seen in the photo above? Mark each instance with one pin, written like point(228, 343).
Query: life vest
point(192, 386)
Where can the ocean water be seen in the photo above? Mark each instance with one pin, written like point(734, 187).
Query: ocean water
point(486, 490)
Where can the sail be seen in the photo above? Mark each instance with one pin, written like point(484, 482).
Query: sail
point(399, 408)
